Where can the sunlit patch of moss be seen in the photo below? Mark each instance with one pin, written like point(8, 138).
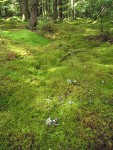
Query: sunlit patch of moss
point(25, 36)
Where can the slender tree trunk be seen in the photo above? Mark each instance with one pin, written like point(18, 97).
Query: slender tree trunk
point(101, 18)
point(72, 9)
point(6, 12)
point(69, 10)
point(20, 4)
point(55, 13)
point(60, 10)
point(43, 9)
point(46, 9)
point(0, 12)
point(33, 14)
point(24, 9)
point(26, 14)
point(40, 12)
point(49, 6)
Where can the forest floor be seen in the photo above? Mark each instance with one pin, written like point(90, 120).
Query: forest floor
point(66, 75)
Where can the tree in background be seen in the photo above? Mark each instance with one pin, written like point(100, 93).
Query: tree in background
point(55, 10)
point(103, 10)
point(24, 10)
point(33, 14)
point(60, 10)
point(100, 9)
point(72, 9)
point(8, 8)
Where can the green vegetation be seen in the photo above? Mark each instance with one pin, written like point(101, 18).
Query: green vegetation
point(25, 36)
point(69, 78)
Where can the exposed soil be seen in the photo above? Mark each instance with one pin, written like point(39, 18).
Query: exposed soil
point(103, 37)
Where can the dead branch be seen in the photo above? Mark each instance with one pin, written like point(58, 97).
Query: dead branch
point(70, 54)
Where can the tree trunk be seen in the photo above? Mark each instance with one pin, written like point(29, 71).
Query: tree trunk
point(101, 18)
point(60, 10)
point(0, 12)
point(72, 9)
point(20, 4)
point(55, 13)
point(43, 9)
point(33, 15)
point(46, 9)
point(6, 12)
point(40, 11)
point(49, 6)
point(24, 10)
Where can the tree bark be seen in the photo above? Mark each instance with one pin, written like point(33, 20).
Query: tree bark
point(20, 4)
point(6, 12)
point(72, 9)
point(49, 6)
point(46, 9)
point(101, 18)
point(0, 12)
point(33, 15)
point(24, 10)
point(60, 10)
point(55, 12)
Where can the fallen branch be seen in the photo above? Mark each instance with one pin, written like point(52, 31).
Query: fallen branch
point(70, 54)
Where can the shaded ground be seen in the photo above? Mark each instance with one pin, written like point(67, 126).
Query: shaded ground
point(35, 84)
point(103, 37)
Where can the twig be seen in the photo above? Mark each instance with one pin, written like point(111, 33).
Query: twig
point(70, 54)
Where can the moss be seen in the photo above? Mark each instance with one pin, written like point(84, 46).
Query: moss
point(25, 37)
point(34, 87)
